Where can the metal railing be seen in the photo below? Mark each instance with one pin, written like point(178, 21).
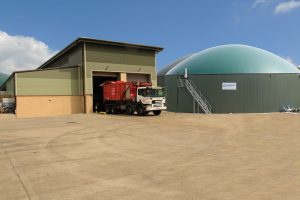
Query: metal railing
point(196, 94)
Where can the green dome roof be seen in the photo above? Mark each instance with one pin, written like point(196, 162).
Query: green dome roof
point(167, 68)
point(231, 59)
point(3, 78)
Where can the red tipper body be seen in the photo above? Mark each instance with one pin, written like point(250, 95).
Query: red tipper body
point(121, 91)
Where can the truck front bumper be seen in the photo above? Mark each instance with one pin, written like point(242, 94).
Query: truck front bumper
point(150, 108)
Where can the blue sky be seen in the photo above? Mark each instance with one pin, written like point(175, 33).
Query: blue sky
point(181, 27)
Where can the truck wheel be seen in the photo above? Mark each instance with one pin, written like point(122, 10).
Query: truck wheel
point(146, 112)
point(107, 109)
point(140, 111)
point(156, 112)
point(113, 109)
point(129, 110)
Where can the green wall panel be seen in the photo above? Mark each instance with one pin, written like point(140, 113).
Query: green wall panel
point(119, 55)
point(161, 81)
point(63, 81)
point(72, 58)
point(171, 93)
point(118, 59)
point(255, 92)
point(108, 67)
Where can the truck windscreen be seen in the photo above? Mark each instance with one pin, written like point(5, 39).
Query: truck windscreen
point(149, 92)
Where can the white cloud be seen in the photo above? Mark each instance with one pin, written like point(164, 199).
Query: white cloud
point(286, 6)
point(290, 60)
point(260, 2)
point(22, 53)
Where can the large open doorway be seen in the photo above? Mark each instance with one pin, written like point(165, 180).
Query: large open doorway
point(98, 79)
point(138, 77)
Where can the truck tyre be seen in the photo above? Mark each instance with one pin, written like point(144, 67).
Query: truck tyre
point(107, 109)
point(140, 110)
point(129, 110)
point(113, 109)
point(156, 112)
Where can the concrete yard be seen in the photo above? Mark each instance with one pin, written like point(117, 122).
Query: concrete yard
point(172, 156)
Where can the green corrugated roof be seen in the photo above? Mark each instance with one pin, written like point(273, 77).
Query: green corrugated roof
point(233, 59)
point(3, 78)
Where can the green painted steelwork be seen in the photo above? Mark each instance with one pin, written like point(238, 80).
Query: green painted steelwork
point(105, 56)
point(118, 59)
point(108, 67)
point(97, 56)
point(64, 81)
point(120, 55)
point(233, 59)
point(161, 81)
point(264, 81)
point(71, 58)
point(256, 93)
point(82, 40)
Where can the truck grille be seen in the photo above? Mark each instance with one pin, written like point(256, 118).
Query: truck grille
point(157, 103)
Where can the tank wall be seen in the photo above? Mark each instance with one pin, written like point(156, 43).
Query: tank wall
point(171, 93)
point(161, 81)
point(255, 93)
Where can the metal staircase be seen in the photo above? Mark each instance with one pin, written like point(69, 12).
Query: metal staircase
point(196, 94)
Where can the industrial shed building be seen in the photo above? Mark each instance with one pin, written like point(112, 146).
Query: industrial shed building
point(231, 79)
point(69, 82)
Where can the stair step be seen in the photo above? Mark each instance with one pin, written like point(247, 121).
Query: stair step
point(196, 94)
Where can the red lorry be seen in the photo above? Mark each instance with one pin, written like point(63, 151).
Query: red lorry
point(142, 97)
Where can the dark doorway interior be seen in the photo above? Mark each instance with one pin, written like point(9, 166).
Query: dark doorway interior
point(98, 92)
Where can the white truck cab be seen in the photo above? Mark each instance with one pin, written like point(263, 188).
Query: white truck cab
point(152, 98)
